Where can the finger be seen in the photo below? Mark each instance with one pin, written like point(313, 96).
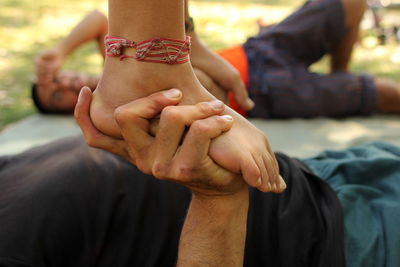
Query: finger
point(241, 95)
point(172, 125)
point(197, 141)
point(133, 118)
point(92, 136)
point(192, 166)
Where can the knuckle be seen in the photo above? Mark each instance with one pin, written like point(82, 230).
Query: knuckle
point(201, 127)
point(122, 114)
point(204, 107)
point(160, 170)
point(143, 167)
point(171, 113)
point(156, 101)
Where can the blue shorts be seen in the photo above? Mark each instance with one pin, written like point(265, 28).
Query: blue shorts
point(280, 82)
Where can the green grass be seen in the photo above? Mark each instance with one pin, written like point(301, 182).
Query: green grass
point(29, 26)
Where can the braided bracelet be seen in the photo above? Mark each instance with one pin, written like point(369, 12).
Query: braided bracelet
point(156, 50)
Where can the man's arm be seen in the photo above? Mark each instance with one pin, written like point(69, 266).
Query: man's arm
point(215, 227)
point(214, 231)
point(223, 73)
point(92, 27)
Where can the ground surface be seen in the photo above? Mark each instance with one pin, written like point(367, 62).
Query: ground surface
point(296, 137)
point(28, 26)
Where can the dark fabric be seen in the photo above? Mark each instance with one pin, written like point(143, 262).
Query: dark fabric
point(65, 204)
point(280, 82)
point(301, 227)
point(366, 179)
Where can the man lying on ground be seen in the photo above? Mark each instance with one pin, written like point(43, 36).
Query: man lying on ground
point(274, 65)
point(64, 204)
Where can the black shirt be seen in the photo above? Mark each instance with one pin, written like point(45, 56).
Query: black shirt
point(64, 204)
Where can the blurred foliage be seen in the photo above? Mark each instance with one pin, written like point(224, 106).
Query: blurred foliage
point(28, 26)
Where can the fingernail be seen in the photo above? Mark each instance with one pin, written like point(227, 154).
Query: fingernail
point(227, 117)
point(259, 181)
point(250, 103)
point(216, 104)
point(172, 93)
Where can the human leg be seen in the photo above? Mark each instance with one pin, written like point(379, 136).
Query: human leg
point(388, 96)
point(126, 80)
point(92, 27)
point(304, 37)
point(388, 92)
point(129, 79)
point(341, 54)
point(102, 27)
point(307, 95)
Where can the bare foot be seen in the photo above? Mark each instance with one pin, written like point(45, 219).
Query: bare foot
point(124, 81)
point(211, 86)
point(244, 149)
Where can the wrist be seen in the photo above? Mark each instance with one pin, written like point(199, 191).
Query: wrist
point(226, 204)
point(214, 232)
point(62, 51)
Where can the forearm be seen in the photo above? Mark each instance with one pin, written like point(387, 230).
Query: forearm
point(186, 9)
point(92, 27)
point(197, 45)
point(189, 28)
point(214, 231)
point(198, 50)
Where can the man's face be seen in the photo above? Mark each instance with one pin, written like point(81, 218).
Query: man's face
point(62, 93)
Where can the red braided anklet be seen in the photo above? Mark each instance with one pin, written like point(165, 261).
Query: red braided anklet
point(156, 50)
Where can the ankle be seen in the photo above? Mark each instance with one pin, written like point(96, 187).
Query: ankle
point(124, 81)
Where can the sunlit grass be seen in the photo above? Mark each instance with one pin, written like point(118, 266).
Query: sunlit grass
point(28, 26)
point(226, 24)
